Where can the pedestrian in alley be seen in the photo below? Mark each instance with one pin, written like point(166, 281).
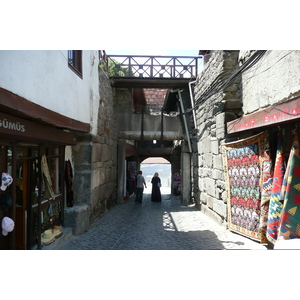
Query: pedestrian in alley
point(156, 184)
point(140, 182)
point(129, 187)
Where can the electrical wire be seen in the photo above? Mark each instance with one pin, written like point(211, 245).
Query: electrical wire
point(268, 68)
point(222, 84)
point(219, 83)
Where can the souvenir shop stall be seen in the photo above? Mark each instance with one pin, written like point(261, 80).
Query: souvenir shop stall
point(176, 182)
point(263, 174)
point(32, 195)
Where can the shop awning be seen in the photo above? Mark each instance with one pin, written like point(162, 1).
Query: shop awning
point(274, 115)
point(21, 130)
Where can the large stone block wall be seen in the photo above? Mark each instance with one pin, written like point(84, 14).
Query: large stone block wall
point(123, 101)
point(95, 165)
point(209, 188)
point(275, 78)
point(104, 153)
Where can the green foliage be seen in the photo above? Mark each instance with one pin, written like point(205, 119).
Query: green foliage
point(115, 69)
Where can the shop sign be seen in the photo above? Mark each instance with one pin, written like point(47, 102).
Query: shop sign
point(13, 104)
point(15, 128)
point(275, 114)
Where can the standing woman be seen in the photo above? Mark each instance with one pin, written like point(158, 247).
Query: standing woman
point(156, 195)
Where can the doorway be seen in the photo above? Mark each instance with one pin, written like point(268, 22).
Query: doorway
point(163, 167)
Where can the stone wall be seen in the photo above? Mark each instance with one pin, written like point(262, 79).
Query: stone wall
point(275, 78)
point(95, 165)
point(123, 101)
point(104, 154)
point(212, 114)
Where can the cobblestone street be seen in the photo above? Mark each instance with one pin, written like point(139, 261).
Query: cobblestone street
point(157, 226)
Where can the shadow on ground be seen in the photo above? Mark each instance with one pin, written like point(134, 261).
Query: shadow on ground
point(150, 226)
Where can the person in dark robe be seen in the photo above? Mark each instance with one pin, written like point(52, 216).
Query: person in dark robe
point(156, 183)
point(129, 186)
point(69, 183)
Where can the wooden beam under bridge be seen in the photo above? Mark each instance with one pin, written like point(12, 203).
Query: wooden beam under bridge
point(162, 83)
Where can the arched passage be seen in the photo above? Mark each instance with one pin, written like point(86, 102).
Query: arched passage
point(163, 167)
point(145, 134)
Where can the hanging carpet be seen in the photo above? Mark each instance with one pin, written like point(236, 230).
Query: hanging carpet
point(48, 181)
point(266, 189)
point(247, 168)
point(276, 205)
point(289, 227)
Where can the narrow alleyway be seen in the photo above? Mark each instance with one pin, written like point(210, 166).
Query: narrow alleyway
point(157, 226)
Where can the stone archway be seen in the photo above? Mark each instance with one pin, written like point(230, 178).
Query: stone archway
point(163, 167)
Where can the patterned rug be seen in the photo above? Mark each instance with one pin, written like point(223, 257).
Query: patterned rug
point(267, 180)
point(275, 208)
point(289, 227)
point(247, 168)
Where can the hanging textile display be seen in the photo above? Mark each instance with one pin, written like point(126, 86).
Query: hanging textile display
point(289, 227)
point(48, 181)
point(276, 205)
point(267, 179)
point(243, 165)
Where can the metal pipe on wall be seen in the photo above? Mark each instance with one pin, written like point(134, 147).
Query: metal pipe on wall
point(184, 119)
point(192, 102)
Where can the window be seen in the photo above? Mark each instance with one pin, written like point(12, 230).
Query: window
point(75, 61)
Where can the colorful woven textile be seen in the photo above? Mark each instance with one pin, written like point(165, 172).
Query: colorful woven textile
point(46, 172)
point(275, 207)
point(243, 164)
point(267, 179)
point(289, 227)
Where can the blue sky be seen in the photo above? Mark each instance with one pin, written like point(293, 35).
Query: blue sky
point(154, 52)
point(163, 53)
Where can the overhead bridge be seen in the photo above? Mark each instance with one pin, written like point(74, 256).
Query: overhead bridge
point(154, 135)
point(140, 71)
point(147, 127)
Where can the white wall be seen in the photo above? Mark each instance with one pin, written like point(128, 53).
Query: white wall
point(275, 78)
point(43, 77)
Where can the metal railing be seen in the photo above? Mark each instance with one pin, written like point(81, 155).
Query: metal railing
point(144, 66)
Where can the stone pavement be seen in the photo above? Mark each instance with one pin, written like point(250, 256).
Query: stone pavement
point(157, 226)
